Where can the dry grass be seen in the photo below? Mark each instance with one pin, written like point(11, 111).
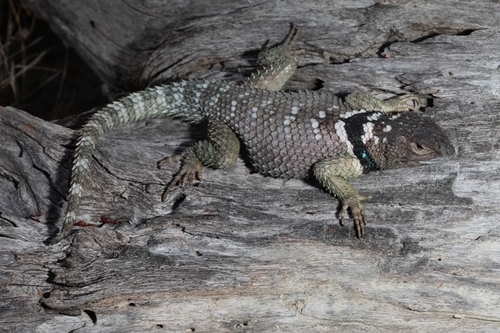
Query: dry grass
point(37, 73)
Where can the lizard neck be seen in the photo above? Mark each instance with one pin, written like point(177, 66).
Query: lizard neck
point(360, 132)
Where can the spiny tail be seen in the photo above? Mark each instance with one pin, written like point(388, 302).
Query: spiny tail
point(180, 100)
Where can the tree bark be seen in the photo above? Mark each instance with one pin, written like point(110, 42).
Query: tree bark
point(241, 252)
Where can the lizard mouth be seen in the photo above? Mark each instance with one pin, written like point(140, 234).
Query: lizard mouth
point(437, 159)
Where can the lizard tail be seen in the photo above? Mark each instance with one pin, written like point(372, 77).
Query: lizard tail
point(179, 100)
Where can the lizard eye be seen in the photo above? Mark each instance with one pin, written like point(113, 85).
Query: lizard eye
point(420, 149)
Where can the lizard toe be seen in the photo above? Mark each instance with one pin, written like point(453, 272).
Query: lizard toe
point(410, 102)
point(190, 171)
point(168, 160)
point(357, 211)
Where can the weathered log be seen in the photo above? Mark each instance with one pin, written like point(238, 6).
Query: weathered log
point(241, 252)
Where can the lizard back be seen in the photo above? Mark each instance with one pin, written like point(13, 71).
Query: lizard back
point(283, 133)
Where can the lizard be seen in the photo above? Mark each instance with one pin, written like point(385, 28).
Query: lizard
point(302, 134)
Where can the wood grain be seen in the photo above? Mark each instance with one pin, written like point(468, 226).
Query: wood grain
point(241, 252)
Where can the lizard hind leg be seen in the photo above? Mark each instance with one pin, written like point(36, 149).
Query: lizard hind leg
point(278, 63)
point(219, 151)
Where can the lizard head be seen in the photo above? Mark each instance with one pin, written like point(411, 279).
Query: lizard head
point(406, 139)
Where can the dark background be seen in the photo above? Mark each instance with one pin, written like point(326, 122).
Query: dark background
point(38, 73)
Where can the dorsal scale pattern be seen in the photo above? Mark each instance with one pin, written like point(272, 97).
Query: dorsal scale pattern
point(283, 133)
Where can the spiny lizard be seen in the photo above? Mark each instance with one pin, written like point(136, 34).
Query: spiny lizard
point(285, 134)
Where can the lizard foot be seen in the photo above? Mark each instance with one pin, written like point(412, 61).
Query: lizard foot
point(358, 213)
point(290, 39)
point(271, 55)
point(191, 169)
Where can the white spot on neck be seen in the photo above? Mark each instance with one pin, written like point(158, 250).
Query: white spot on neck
point(368, 132)
point(342, 134)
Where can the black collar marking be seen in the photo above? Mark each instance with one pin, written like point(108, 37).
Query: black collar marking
point(354, 130)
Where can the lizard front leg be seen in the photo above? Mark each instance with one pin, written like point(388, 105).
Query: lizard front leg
point(407, 102)
point(333, 173)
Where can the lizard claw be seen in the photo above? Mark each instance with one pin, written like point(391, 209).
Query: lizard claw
point(358, 213)
point(191, 169)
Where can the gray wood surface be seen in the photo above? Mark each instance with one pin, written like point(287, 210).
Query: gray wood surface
point(241, 252)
